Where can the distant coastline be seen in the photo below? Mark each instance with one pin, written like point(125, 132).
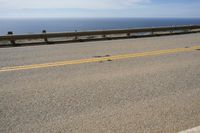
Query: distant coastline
point(22, 26)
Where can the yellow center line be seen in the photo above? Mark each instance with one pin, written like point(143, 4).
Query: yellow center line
point(90, 60)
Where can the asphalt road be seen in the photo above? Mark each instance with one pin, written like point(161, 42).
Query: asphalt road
point(90, 88)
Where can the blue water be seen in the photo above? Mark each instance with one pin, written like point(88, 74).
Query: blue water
point(21, 26)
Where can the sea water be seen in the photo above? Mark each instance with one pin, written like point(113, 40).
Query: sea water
point(33, 25)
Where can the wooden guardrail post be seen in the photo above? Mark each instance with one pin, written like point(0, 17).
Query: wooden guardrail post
point(76, 37)
point(45, 38)
point(12, 41)
point(172, 31)
point(104, 36)
point(186, 30)
point(128, 34)
point(189, 29)
point(152, 32)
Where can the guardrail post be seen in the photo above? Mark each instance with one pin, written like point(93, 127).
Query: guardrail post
point(76, 37)
point(172, 31)
point(189, 29)
point(45, 38)
point(186, 30)
point(12, 41)
point(152, 32)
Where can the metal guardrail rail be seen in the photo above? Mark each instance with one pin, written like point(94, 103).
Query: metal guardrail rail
point(103, 33)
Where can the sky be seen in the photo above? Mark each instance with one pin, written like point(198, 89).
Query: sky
point(99, 8)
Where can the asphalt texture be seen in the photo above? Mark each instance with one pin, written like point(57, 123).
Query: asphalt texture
point(159, 93)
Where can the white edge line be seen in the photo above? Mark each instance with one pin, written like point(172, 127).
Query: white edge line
point(192, 130)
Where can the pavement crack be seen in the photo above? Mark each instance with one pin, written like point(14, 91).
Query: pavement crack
point(109, 60)
point(107, 55)
point(97, 56)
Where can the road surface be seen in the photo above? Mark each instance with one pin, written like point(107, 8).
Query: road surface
point(118, 86)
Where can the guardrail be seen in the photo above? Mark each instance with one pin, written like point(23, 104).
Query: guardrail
point(103, 34)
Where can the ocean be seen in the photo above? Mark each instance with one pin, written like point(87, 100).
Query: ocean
point(26, 26)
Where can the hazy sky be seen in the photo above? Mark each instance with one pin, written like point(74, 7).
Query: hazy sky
point(100, 8)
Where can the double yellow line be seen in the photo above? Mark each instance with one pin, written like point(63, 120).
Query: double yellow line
point(90, 60)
